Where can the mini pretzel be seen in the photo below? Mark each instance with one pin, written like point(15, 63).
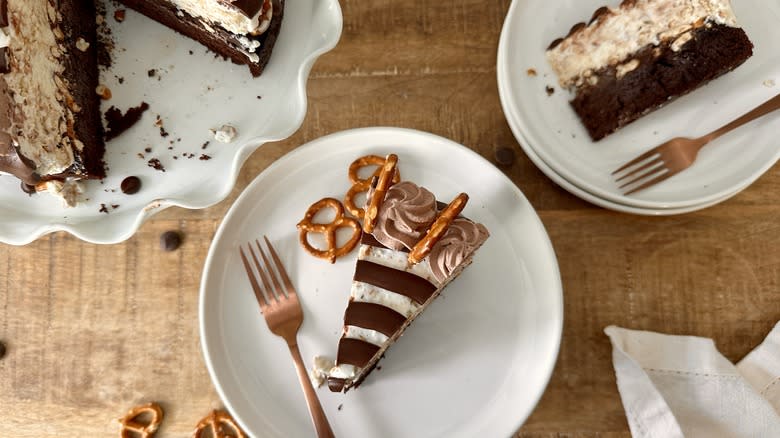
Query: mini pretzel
point(221, 425)
point(361, 185)
point(131, 427)
point(306, 226)
point(437, 230)
point(385, 181)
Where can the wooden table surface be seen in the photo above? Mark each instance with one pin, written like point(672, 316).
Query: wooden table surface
point(92, 330)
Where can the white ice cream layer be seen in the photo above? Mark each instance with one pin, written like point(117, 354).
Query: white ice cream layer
point(364, 334)
point(367, 293)
point(230, 18)
point(623, 31)
point(397, 260)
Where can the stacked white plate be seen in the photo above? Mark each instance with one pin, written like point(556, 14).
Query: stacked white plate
point(551, 135)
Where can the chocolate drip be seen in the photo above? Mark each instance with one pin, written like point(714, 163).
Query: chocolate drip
point(4, 13)
point(373, 316)
point(394, 280)
point(355, 352)
point(5, 66)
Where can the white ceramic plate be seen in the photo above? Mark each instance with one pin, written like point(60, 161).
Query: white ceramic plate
point(475, 363)
point(191, 93)
point(594, 199)
point(548, 126)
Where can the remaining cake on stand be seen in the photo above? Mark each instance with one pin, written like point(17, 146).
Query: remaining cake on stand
point(411, 248)
point(244, 31)
point(50, 129)
point(633, 59)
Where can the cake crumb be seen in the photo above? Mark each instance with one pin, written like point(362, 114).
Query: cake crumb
point(103, 91)
point(147, 150)
point(82, 44)
point(205, 145)
point(156, 164)
point(340, 406)
point(117, 123)
point(151, 73)
point(769, 83)
point(204, 157)
point(225, 134)
point(103, 209)
point(550, 90)
point(119, 15)
point(531, 72)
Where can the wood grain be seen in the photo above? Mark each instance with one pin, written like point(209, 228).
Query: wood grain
point(92, 330)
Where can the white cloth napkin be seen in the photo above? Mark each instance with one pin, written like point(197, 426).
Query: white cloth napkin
point(681, 386)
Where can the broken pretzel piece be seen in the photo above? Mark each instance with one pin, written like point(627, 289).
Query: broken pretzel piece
point(220, 425)
point(384, 182)
point(438, 228)
point(133, 428)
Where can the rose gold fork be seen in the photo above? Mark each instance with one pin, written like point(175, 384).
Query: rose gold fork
point(677, 154)
point(284, 316)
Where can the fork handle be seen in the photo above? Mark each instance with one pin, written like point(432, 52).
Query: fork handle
point(761, 110)
point(318, 417)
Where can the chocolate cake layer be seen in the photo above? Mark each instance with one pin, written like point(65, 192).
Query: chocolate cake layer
point(219, 40)
point(658, 75)
point(83, 77)
point(50, 119)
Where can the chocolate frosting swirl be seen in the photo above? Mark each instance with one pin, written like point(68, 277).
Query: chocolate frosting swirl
point(460, 241)
point(406, 213)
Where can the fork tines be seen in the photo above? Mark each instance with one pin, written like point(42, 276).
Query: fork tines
point(272, 290)
point(644, 171)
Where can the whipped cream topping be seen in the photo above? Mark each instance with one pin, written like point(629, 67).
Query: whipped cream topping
point(620, 32)
point(460, 241)
point(405, 215)
point(229, 15)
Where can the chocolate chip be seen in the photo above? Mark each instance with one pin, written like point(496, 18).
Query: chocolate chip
point(130, 185)
point(504, 156)
point(170, 240)
point(28, 188)
point(2, 349)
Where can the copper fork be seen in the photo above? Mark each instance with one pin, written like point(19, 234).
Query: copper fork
point(674, 156)
point(282, 311)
